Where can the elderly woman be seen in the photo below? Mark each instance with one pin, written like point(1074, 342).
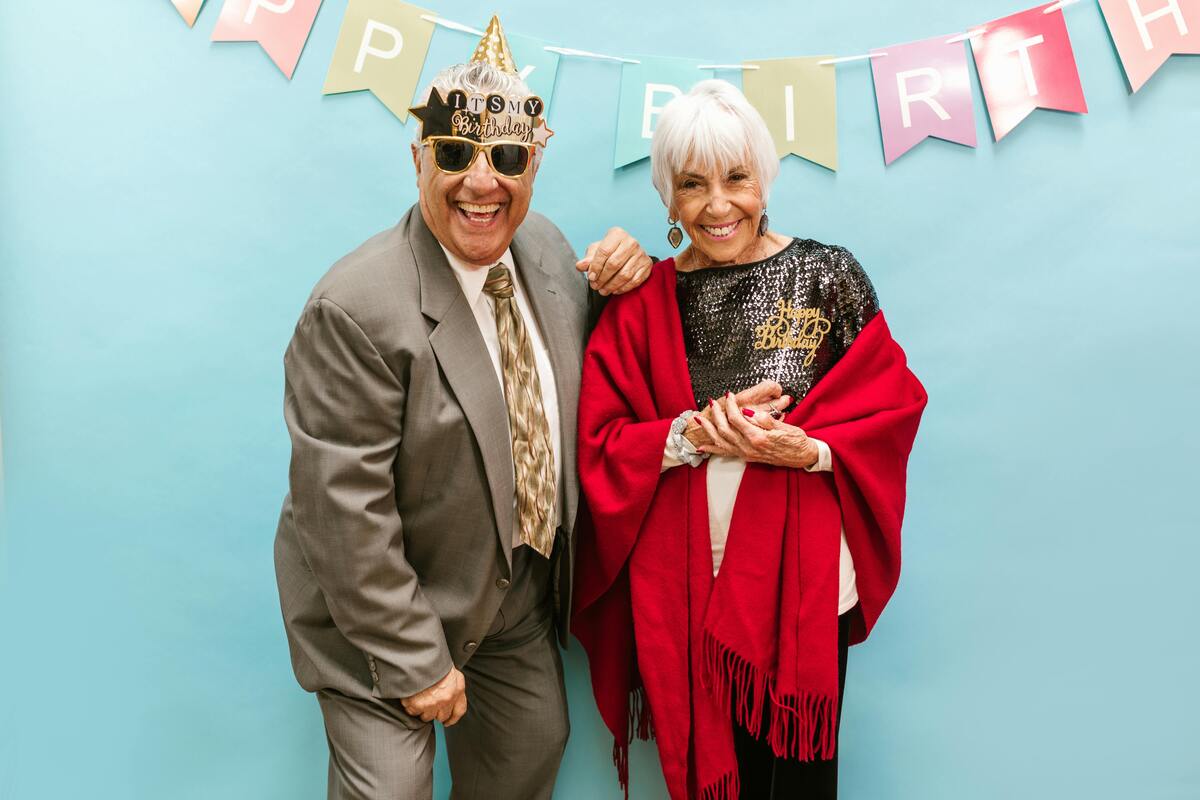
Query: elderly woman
point(738, 547)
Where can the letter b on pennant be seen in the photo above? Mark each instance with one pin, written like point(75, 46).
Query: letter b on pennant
point(649, 110)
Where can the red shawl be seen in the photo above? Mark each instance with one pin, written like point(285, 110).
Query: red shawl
point(675, 652)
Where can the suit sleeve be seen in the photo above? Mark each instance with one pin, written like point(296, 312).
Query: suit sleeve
point(344, 410)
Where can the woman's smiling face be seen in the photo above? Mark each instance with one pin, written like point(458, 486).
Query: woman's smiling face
point(719, 208)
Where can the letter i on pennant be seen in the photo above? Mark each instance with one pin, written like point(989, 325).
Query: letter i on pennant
point(798, 99)
point(1148, 32)
point(1025, 61)
point(922, 89)
point(280, 27)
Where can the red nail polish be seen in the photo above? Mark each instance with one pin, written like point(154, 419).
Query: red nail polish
point(747, 412)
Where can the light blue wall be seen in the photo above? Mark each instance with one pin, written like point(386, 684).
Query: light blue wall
point(167, 204)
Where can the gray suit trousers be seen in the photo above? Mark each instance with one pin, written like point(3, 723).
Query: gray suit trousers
point(508, 745)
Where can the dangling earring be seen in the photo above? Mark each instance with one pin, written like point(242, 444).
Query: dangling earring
point(674, 235)
point(762, 223)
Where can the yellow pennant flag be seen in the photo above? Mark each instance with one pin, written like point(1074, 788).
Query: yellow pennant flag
point(381, 47)
point(798, 99)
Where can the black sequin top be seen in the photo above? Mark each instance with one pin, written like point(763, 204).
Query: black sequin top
point(787, 318)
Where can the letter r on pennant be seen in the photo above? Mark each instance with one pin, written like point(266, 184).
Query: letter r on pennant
point(926, 97)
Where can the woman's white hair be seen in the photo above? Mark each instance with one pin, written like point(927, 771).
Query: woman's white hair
point(712, 127)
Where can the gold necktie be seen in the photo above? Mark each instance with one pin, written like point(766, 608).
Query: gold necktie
point(533, 457)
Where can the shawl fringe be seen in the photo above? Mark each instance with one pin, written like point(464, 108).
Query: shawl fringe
point(641, 725)
point(727, 787)
point(802, 727)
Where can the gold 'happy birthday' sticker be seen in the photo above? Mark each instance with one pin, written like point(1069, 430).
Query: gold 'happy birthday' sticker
point(792, 328)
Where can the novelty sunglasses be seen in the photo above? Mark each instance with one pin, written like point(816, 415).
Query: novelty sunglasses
point(455, 154)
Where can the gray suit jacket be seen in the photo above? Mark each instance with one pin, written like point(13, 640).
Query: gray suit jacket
point(395, 542)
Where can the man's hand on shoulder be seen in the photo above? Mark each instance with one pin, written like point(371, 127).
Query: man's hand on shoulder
point(616, 264)
point(445, 701)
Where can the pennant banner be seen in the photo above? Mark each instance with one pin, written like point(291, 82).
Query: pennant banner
point(381, 47)
point(1025, 61)
point(1148, 32)
point(188, 9)
point(279, 26)
point(922, 89)
point(798, 99)
point(645, 89)
point(537, 65)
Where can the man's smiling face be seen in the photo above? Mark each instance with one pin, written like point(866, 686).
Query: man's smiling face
point(475, 213)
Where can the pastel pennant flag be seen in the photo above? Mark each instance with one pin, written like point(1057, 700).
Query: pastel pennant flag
point(922, 89)
point(188, 9)
point(1148, 32)
point(798, 99)
point(645, 89)
point(1025, 61)
point(279, 26)
point(381, 47)
point(536, 65)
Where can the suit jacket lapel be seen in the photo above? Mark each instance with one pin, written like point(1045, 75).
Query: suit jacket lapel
point(556, 316)
point(463, 356)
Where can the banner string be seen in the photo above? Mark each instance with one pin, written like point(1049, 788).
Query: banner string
point(568, 51)
point(454, 26)
point(971, 34)
point(844, 59)
point(562, 51)
point(1058, 6)
point(974, 33)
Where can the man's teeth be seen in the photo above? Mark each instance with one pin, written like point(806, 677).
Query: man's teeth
point(719, 232)
point(472, 208)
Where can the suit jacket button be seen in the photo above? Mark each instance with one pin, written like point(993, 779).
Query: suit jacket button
point(469, 646)
point(503, 583)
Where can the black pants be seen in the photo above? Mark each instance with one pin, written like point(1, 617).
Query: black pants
point(765, 777)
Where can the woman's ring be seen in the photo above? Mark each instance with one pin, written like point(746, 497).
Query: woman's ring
point(775, 412)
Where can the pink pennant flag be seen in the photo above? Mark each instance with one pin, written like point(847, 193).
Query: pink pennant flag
point(922, 89)
point(1148, 32)
point(280, 26)
point(1025, 61)
point(188, 9)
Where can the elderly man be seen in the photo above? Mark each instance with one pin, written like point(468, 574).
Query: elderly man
point(424, 552)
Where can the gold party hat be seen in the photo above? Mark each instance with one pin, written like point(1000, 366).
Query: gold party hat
point(493, 49)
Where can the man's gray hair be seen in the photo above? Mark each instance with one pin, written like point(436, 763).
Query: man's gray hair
point(712, 127)
point(478, 77)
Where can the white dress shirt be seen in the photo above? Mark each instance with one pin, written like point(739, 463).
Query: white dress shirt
point(724, 478)
point(471, 280)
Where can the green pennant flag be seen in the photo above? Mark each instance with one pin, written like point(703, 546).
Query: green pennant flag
point(646, 87)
